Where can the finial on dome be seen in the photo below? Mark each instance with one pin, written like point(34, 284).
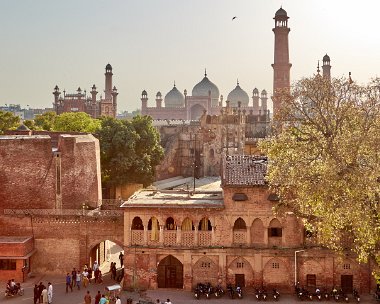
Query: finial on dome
point(318, 70)
point(237, 81)
point(174, 83)
point(205, 72)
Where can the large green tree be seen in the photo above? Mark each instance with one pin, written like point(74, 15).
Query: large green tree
point(324, 161)
point(76, 122)
point(44, 121)
point(130, 150)
point(8, 121)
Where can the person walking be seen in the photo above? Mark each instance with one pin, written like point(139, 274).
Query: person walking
point(121, 258)
point(73, 277)
point(78, 280)
point(41, 287)
point(50, 293)
point(97, 297)
point(87, 298)
point(68, 283)
point(36, 296)
point(85, 278)
point(118, 301)
point(44, 295)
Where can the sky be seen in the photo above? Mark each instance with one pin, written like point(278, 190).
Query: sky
point(152, 43)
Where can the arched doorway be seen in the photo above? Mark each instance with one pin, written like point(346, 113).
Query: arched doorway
point(196, 112)
point(170, 273)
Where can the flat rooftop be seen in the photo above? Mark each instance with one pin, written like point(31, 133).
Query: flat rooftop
point(207, 194)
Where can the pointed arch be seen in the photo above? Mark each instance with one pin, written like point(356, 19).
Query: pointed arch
point(170, 273)
point(275, 233)
point(205, 270)
point(204, 224)
point(170, 224)
point(137, 223)
point(240, 224)
point(240, 269)
point(257, 233)
point(187, 225)
point(153, 226)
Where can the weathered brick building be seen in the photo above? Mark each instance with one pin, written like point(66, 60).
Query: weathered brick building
point(178, 238)
point(50, 193)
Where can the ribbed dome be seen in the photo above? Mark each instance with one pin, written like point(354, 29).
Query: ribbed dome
point(326, 58)
point(174, 98)
point(281, 12)
point(202, 88)
point(236, 95)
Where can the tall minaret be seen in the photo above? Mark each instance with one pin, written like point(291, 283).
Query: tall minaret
point(326, 67)
point(108, 86)
point(281, 65)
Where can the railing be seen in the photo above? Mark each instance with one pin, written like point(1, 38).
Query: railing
point(204, 238)
point(137, 237)
point(152, 242)
point(239, 237)
point(170, 237)
point(58, 212)
point(187, 238)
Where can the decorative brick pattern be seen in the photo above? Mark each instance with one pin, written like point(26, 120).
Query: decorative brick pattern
point(170, 237)
point(137, 237)
point(204, 238)
point(240, 237)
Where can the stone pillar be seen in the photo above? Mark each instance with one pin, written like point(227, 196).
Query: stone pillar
point(249, 235)
point(187, 271)
point(145, 235)
point(196, 238)
point(161, 239)
point(266, 239)
point(213, 235)
point(179, 235)
point(222, 275)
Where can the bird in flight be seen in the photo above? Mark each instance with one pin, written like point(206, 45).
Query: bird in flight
point(233, 18)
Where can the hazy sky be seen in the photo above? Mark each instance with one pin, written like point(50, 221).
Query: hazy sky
point(152, 43)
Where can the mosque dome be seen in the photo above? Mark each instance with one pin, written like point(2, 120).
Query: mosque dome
point(174, 98)
point(326, 58)
point(108, 67)
point(202, 88)
point(236, 95)
point(281, 12)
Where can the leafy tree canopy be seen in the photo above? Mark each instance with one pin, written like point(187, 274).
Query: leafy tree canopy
point(44, 121)
point(76, 122)
point(324, 162)
point(8, 121)
point(130, 150)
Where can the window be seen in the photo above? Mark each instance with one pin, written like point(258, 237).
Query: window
point(311, 280)
point(276, 265)
point(239, 265)
point(205, 265)
point(346, 266)
point(275, 232)
point(7, 264)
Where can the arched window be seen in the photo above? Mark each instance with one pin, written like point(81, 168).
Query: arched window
point(153, 226)
point(187, 225)
point(137, 224)
point(205, 224)
point(240, 224)
point(170, 225)
point(275, 229)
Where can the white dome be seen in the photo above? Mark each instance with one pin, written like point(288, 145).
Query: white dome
point(236, 95)
point(202, 88)
point(174, 98)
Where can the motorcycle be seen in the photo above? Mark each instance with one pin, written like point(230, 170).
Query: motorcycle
point(230, 291)
point(318, 294)
point(276, 294)
point(218, 291)
point(199, 289)
point(239, 292)
point(356, 295)
point(208, 290)
point(17, 290)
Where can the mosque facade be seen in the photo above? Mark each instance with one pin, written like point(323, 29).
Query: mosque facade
point(80, 102)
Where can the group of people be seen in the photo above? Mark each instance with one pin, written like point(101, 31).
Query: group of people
point(43, 294)
point(166, 302)
point(77, 278)
point(12, 287)
point(100, 298)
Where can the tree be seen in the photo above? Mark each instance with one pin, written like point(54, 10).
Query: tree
point(324, 161)
point(76, 122)
point(45, 121)
point(8, 121)
point(130, 150)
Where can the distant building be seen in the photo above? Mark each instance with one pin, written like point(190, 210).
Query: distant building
point(80, 102)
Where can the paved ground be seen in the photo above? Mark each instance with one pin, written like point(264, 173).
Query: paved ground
point(176, 296)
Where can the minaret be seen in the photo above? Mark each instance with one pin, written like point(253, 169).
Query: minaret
point(281, 65)
point(108, 86)
point(158, 100)
point(144, 101)
point(114, 101)
point(56, 94)
point(255, 99)
point(326, 67)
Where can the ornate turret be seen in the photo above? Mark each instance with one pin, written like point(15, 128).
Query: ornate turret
point(144, 99)
point(281, 65)
point(255, 99)
point(158, 100)
point(326, 67)
point(108, 84)
point(56, 94)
